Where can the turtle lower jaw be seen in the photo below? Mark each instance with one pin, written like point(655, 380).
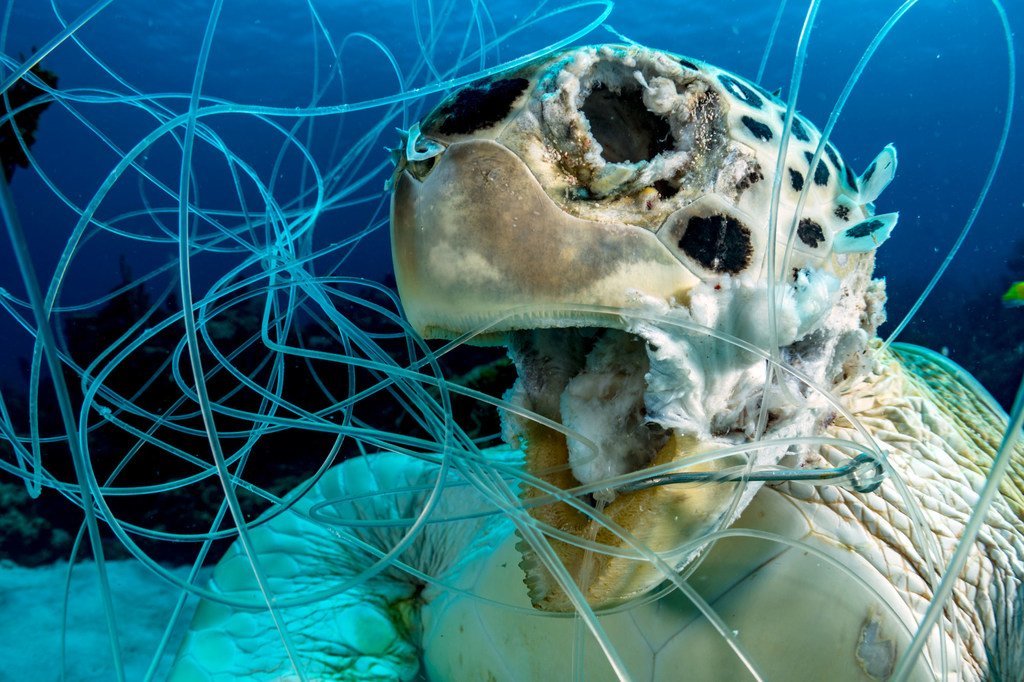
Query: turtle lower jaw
point(593, 383)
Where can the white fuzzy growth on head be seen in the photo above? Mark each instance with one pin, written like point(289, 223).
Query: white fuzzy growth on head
point(704, 387)
point(606, 402)
point(624, 393)
point(555, 137)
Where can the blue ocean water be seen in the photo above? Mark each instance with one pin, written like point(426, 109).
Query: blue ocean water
point(936, 88)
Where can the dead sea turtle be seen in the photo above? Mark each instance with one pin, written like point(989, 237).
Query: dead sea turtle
point(605, 213)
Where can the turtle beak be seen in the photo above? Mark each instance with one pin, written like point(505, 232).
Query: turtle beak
point(479, 240)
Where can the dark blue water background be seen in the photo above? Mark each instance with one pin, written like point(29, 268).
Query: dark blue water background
point(937, 89)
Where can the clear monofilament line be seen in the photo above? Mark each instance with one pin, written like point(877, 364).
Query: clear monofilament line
point(863, 475)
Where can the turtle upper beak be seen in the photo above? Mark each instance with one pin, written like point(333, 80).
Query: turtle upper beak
point(479, 238)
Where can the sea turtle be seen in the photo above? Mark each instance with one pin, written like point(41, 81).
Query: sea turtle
point(605, 213)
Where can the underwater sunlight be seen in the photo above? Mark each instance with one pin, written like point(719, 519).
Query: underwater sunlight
point(457, 340)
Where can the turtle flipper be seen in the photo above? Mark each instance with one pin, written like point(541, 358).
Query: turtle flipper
point(355, 625)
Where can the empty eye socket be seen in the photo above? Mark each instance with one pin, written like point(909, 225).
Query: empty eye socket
point(626, 130)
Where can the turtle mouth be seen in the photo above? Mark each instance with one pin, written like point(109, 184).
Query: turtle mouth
point(593, 382)
point(592, 405)
point(605, 389)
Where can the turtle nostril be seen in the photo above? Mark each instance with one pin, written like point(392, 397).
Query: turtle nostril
point(421, 169)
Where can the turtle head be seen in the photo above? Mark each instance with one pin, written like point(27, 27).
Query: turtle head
point(604, 212)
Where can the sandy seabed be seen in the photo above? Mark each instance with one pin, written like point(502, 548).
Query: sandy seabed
point(31, 616)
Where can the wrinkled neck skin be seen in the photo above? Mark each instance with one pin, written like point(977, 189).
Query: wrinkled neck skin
point(939, 437)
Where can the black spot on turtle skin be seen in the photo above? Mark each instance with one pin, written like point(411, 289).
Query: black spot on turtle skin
point(810, 233)
point(758, 129)
point(851, 179)
point(799, 131)
point(687, 64)
point(720, 243)
point(753, 176)
point(842, 212)
point(741, 90)
point(479, 105)
point(796, 179)
point(821, 173)
point(863, 229)
point(833, 156)
point(767, 95)
point(869, 172)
